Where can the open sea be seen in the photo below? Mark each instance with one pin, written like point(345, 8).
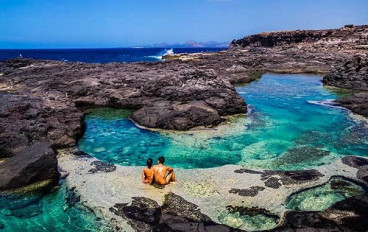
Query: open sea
point(100, 55)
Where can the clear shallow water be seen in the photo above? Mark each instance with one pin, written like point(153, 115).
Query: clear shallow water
point(101, 55)
point(322, 197)
point(286, 129)
point(52, 212)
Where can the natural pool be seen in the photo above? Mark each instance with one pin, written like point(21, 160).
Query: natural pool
point(288, 127)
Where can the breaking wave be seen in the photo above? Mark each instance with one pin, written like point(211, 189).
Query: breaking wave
point(327, 103)
point(163, 53)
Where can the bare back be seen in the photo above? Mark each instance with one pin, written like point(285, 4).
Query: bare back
point(147, 175)
point(159, 172)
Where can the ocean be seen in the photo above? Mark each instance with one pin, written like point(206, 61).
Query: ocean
point(100, 55)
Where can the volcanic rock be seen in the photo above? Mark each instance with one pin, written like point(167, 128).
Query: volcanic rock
point(35, 163)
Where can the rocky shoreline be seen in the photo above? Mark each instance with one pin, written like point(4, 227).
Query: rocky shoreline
point(43, 106)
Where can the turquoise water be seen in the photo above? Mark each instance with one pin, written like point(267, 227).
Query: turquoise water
point(286, 128)
point(322, 197)
point(53, 212)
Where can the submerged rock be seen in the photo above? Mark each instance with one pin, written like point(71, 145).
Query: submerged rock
point(33, 164)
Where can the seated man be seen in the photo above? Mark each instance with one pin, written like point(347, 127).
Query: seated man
point(163, 174)
point(147, 173)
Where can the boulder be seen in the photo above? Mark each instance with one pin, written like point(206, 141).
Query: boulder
point(174, 116)
point(35, 163)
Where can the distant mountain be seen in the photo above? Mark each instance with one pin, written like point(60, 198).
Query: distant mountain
point(192, 44)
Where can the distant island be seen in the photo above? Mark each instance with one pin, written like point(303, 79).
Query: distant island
point(190, 44)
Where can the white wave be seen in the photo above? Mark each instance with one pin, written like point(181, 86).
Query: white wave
point(328, 103)
point(162, 53)
point(168, 52)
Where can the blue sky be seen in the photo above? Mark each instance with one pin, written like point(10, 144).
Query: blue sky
point(124, 23)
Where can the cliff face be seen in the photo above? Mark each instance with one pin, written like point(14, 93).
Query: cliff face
point(354, 36)
point(353, 74)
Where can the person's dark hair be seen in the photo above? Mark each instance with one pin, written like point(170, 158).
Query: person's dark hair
point(149, 162)
point(161, 159)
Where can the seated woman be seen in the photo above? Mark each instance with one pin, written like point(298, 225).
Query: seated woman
point(147, 173)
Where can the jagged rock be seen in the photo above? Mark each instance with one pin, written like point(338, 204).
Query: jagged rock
point(33, 164)
point(176, 214)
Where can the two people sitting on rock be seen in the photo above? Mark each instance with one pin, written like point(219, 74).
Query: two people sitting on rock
point(158, 174)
